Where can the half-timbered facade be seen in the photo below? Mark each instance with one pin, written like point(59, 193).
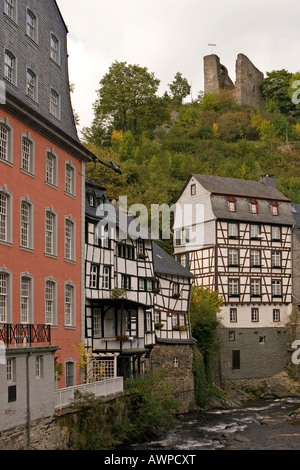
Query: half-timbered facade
point(244, 252)
point(119, 287)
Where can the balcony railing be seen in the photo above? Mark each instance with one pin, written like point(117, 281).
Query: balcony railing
point(13, 335)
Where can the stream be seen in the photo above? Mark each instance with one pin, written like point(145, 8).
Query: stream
point(258, 425)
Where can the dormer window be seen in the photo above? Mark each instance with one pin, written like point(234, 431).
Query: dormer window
point(254, 207)
point(91, 200)
point(275, 208)
point(193, 189)
point(232, 205)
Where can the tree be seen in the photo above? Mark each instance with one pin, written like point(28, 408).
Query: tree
point(179, 88)
point(127, 94)
point(276, 92)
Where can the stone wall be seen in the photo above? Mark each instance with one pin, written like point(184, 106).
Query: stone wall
point(247, 88)
point(176, 360)
point(264, 352)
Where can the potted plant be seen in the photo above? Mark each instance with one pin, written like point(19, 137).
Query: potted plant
point(117, 293)
point(159, 326)
point(179, 328)
point(122, 338)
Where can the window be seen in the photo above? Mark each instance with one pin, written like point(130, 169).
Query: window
point(231, 335)
point(276, 259)
point(51, 168)
point(184, 260)
point(175, 289)
point(233, 315)
point(255, 258)
point(69, 239)
point(5, 216)
point(69, 305)
point(255, 288)
point(254, 232)
point(94, 276)
point(31, 85)
point(11, 369)
point(276, 288)
point(140, 247)
point(233, 257)
point(125, 251)
point(125, 282)
point(27, 156)
point(254, 207)
point(232, 205)
point(262, 339)
point(39, 366)
point(6, 142)
point(176, 362)
point(26, 299)
point(131, 324)
point(70, 179)
point(193, 189)
point(233, 230)
point(276, 314)
point(10, 9)
point(54, 49)
point(10, 72)
point(254, 314)
point(69, 371)
point(50, 302)
point(26, 235)
point(97, 322)
point(156, 316)
point(275, 208)
point(3, 297)
point(233, 287)
point(54, 103)
point(106, 283)
point(148, 321)
point(276, 233)
point(50, 233)
point(91, 200)
point(182, 236)
point(31, 25)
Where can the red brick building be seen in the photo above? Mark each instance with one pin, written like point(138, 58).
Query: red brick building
point(42, 185)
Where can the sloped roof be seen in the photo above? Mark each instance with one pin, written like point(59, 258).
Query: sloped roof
point(239, 187)
point(165, 264)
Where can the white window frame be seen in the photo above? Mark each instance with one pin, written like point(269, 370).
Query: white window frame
point(70, 239)
point(39, 367)
point(50, 233)
point(51, 168)
point(276, 288)
point(26, 224)
point(6, 142)
point(26, 299)
point(233, 230)
point(255, 258)
point(276, 259)
point(6, 296)
point(276, 315)
point(32, 85)
point(233, 287)
point(6, 216)
point(10, 67)
point(50, 301)
point(233, 315)
point(54, 51)
point(97, 330)
point(255, 287)
point(70, 179)
point(55, 103)
point(27, 154)
point(31, 25)
point(254, 231)
point(70, 304)
point(233, 256)
point(11, 10)
point(254, 314)
point(276, 233)
point(106, 279)
point(94, 276)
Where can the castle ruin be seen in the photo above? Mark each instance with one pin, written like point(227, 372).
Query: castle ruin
point(247, 88)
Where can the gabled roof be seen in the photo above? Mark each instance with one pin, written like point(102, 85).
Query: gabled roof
point(238, 187)
point(165, 264)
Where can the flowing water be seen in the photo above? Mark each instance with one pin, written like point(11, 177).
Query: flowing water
point(261, 425)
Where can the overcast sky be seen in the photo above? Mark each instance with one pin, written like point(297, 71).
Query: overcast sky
point(170, 36)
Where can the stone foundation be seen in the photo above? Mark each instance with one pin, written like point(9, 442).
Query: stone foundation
point(176, 360)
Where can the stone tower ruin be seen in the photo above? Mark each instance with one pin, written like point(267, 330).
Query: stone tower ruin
point(247, 88)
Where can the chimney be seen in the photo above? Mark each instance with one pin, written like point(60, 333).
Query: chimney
point(268, 180)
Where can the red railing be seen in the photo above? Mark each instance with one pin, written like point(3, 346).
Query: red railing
point(12, 335)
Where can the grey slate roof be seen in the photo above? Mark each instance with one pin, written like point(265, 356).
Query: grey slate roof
point(239, 187)
point(165, 264)
point(222, 189)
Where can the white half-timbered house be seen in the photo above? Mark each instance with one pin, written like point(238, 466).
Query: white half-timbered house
point(240, 243)
point(119, 288)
